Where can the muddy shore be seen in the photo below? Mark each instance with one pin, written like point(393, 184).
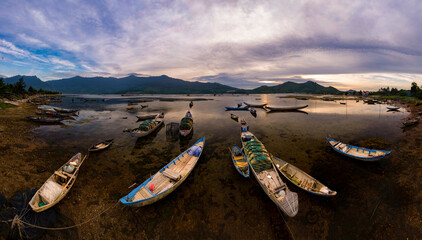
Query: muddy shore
point(22, 160)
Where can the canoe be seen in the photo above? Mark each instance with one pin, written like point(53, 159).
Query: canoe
point(239, 161)
point(237, 108)
point(255, 105)
point(57, 185)
point(343, 103)
point(186, 124)
point(234, 116)
point(167, 179)
point(191, 104)
point(302, 179)
point(411, 122)
point(265, 173)
point(393, 108)
point(46, 119)
point(142, 132)
point(63, 110)
point(144, 106)
point(101, 145)
point(252, 110)
point(273, 109)
point(359, 153)
point(146, 117)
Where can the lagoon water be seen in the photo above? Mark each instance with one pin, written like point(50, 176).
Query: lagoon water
point(215, 202)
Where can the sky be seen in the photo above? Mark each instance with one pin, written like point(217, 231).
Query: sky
point(360, 44)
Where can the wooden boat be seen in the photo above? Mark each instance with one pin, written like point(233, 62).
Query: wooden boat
point(411, 121)
point(191, 104)
point(252, 110)
point(146, 117)
point(370, 101)
point(302, 98)
point(239, 105)
point(420, 113)
point(342, 103)
point(239, 161)
point(101, 145)
point(63, 110)
point(148, 126)
point(46, 119)
point(144, 106)
point(302, 179)
point(265, 173)
point(57, 185)
point(46, 108)
point(393, 108)
point(237, 108)
point(359, 153)
point(167, 179)
point(131, 109)
point(274, 109)
point(255, 105)
point(186, 125)
point(234, 116)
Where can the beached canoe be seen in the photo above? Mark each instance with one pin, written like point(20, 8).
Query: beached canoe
point(393, 108)
point(265, 173)
point(146, 117)
point(148, 126)
point(101, 145)
point(359, 153)
point(63, 110)
point(45, 119)
point(234, 116)
point(57, 185)
point(274, 109)
point(167, 179)
point(302, 179)
point(186, 125)
point(257, 105)
point(239, 161)
point(245, 108)
point(411, 122)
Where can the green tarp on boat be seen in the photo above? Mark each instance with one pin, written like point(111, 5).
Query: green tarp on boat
point(147, 125)
point(258, 156)
point(186, 123)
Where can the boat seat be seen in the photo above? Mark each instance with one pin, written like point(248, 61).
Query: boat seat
point(61, 174)
point(171, 174)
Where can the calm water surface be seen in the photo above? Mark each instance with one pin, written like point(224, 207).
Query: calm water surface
point(215, 201)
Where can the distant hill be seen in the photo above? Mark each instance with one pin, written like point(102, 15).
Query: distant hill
point(292, 87)
point(33, 81)
point(133, 84)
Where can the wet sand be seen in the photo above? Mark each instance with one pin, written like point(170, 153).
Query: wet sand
point(214, 209)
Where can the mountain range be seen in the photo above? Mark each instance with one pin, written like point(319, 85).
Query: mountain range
point(159, 85)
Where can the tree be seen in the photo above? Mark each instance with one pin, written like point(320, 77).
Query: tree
point(19, 86)
point(414, 89)
point(3, 86)
point(31, 90)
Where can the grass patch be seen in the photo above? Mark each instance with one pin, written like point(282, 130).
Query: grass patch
point(6, 105)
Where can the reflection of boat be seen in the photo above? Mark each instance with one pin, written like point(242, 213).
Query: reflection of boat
point(237, 108)
point(273, 109)
point(393, 108)
point(57, 185)
point(167, 179)
point(46, 119)
point(186, 124)
point(411, 121)
point(143, 141)
point(239, 161)
point(302, 98)
point(302, 179)
point(265, 173)
point(148, 126)
point(255, 105)
point(359, 153)
point(101, 145)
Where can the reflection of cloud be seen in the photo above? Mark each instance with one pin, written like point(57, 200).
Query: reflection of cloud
point(238, 43)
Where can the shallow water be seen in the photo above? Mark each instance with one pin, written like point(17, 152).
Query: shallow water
point(215, 201)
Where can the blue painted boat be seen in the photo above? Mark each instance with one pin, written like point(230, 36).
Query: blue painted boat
point(167, 179)
point(359, 153)
point(239, 161)
point(246, 108)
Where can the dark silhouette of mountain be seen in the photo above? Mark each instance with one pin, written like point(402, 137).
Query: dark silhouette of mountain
point(133, 84)
point(33, 81)
point(292, 87)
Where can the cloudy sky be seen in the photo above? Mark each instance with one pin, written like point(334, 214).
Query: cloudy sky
point(360, 44)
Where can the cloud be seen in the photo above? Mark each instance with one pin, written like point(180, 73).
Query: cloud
point(239, 43)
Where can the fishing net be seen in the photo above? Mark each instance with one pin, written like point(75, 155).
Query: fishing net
point(186, 123)
point(147, 125)
point(258, 156)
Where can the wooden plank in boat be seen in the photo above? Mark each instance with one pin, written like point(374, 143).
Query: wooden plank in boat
point(171, 174)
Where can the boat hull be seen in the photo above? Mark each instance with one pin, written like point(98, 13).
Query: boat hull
point(236, 148)
point(366, 159)
point(280, 109)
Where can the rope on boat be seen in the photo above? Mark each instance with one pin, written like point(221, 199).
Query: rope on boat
point(17, 221)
